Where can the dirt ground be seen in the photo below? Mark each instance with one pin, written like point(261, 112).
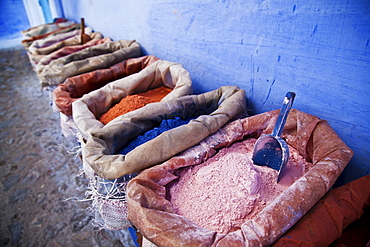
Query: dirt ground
point(39, 183)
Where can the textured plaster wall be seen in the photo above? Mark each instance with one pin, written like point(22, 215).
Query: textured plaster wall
point(316, 48)
point(13, 19)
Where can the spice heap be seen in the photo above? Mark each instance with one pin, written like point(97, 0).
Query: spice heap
point(227, 189)
point(133, 102)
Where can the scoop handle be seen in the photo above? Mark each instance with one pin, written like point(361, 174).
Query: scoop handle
point(284, 111)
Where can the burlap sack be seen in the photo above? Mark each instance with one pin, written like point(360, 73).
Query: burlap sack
point(89, 59)
point(66, 50)
point(327, 220)
point(110, 208)
point(75, 40)
point(154, 216)
point(46, 28)
point(87, 110)
point(27, 42)
point(68, 128)
point(36, 48)
point(75, 87)
point(212, 109)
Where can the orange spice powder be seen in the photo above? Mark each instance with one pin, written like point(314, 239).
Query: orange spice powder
point(133, 102)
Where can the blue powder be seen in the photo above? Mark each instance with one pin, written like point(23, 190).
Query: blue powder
point(165, 125)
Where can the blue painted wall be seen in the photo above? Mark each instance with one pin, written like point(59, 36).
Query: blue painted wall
point(13, 19)
point(319, 49)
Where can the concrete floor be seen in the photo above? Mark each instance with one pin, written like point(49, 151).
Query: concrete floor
point(39, 182)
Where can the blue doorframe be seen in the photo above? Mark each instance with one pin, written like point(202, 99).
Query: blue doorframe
point(46, 10)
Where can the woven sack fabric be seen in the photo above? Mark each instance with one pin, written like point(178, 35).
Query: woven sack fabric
point(87, 110)
point(89, 59)
point(154, 216)
point(75, 40)
point(36, 47)
point(97, 39)
point(45, 28)
point(147, 73)
point(27, 42)
point(72, 41)
point(75, 87)
point(328, 219)
point(212, 109)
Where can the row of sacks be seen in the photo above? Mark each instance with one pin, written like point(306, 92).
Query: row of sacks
point(131, 159)
point(64, 49)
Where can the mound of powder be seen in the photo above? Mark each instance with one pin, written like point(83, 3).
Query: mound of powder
point(133, 102)
point(226, 190)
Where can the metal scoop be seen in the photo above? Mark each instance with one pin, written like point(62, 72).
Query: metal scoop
point(271, 150)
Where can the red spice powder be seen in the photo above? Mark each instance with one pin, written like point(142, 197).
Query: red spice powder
point(133, 102)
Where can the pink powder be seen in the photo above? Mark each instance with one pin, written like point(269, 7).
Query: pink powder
point(227, 189)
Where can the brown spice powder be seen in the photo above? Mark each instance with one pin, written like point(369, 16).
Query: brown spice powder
point(134, 102)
